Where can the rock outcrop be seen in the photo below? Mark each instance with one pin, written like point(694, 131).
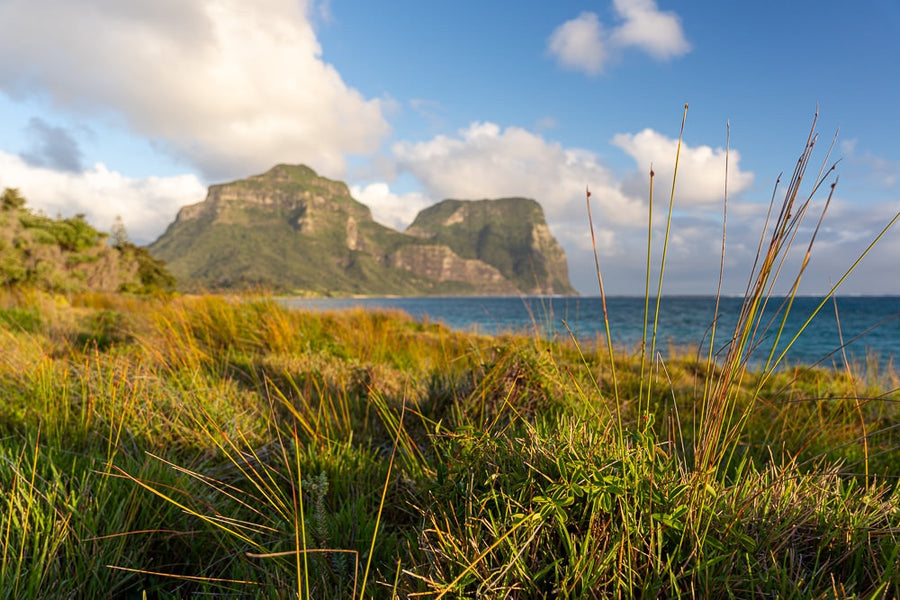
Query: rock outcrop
point(509, 234)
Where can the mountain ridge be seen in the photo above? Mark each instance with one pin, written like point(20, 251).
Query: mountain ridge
point(293, 231)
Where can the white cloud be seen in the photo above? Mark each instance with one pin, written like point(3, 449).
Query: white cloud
point(877, 169)
point(230, 86)
point(545, 124)
point(394, 210)
point(146, 206)
point(657, 33)
point(580, 44)
point(584, 44)
point(847, 230)
point(323, 9)
point(848, 147)
point(701, 169)
point(486, 161)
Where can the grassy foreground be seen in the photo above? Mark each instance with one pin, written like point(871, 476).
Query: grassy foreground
point(231, 447)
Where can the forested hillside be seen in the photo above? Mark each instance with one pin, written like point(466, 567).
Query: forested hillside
point(68, 254)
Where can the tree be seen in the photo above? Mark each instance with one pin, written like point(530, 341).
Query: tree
point(75, 234)
point(118, 234)
point(152, 274)
point(12, 199)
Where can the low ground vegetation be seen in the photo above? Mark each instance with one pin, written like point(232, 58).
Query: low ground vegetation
point(234, 447)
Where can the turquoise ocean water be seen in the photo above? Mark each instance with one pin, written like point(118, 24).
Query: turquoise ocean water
point(868, 325)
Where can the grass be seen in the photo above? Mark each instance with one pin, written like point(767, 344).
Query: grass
point(192, 446)
point(236, 447)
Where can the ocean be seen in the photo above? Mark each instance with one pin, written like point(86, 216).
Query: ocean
point(868, 325)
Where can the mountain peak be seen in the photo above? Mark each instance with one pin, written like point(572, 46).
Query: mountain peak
point(295, 231)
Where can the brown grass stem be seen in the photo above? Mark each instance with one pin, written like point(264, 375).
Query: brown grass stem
point(609, 342)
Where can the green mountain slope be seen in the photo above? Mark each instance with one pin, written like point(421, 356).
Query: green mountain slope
point(296, 232)
point(510, 234)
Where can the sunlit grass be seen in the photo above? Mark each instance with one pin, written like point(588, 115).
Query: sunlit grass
point(177, 460)
point(233, 447)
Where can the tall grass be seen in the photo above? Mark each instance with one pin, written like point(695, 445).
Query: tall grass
point(453, 465)
point(230, 447)
point(727, 404)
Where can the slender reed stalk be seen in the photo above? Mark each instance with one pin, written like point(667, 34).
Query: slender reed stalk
point(665, 248)
point(646, 318)
point(710, 358)
point(609, 340)
point(721, 420)
point(300, 518)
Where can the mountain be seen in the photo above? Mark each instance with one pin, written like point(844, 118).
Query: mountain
point(509, 234)
point(296, 232)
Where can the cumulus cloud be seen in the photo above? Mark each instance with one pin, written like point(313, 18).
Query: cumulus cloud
point(657, 33)
point(231, 87)
point(394, 210)
point(146, 205)
point(847, 232)
point(584, 44)
point(52, 147)
point(580, 44)
point(701, 169)
point(487, 161)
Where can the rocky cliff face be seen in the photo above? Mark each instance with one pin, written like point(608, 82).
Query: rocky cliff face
point(441, 264)
point(308, 201)
point(296, 232)
point(510, 234)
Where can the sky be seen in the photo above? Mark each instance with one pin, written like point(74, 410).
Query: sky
point(131, 109)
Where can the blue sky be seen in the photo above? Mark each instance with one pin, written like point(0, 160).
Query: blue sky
point(132, 108)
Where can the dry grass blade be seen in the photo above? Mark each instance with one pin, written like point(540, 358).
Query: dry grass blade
point(387, 481)
point(183, 577)
point(609, 340)
point(718, 428)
